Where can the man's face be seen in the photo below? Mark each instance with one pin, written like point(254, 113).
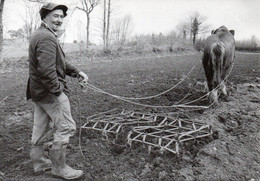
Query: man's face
point(54, 19)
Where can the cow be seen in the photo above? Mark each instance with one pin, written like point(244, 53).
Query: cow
point(218, 56)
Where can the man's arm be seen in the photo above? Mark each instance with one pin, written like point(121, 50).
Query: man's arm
point(74, 72)
point(71, 70)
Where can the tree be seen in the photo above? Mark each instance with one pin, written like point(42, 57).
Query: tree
point(195, 29)
point(1, 29)
point(31, 18)
point(88, 6)
point(16, 33)
point(253, 41)
point(106, 24)
point(121, 30)
point(195, 25)
point(182, 29)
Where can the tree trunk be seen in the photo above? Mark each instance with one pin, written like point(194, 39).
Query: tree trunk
point(1, 29)
point(191, 36)
point(87, 28)
point(194, 38)
point(184, 34)
point(104, 25)
point(108, 23)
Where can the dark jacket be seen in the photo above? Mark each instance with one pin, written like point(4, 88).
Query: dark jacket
point(47, 65)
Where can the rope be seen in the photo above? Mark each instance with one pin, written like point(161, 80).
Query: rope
point(79, 114)
point(144, 105)
point(184, 105)
point(148, 97)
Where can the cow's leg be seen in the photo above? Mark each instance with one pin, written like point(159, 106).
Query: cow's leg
point(225, 70)
point(214, 91)
point(210, 84)
point(223, 88)
point(209, 72)
point(207, 65)
point(214, 96)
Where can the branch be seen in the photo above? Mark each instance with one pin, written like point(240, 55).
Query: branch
point(86, 4)
point(81, 9)
point(88, 8)
point(91, 8)
point(92, 5)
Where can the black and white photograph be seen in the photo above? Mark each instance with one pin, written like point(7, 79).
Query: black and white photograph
point(130, 90)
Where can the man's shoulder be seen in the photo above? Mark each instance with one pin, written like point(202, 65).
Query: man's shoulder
point(42, 33)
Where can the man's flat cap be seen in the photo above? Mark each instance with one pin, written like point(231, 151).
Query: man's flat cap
point(47, 8)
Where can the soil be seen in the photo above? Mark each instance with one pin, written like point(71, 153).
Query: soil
point(232, 153)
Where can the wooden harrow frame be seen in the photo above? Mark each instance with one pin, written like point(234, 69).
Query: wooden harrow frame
point(114, 121)
point(160, 131)
point(170, 135)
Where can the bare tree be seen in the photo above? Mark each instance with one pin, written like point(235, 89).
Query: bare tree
point(253, 41)
point(182, 30)
point(108, 22)
point(195, 25)
point(1, 29)
point(104, 23)
point(107, 11)
point(31, 18)
point(195, 29)
point(88, 6)
point(121, 30)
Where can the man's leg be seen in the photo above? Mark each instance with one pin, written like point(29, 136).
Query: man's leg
point(60, 113)
point(41, 131)
point(42, 127)
point(65, 125)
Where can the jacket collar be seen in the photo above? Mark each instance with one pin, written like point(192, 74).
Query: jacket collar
point(46, 26)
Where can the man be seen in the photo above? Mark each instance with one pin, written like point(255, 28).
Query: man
point(47, 88)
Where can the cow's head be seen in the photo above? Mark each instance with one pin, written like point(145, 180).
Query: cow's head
point(222, 29)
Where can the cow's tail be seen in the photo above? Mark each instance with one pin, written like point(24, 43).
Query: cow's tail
point(217, 57)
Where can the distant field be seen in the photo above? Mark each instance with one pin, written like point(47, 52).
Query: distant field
point(19, 48)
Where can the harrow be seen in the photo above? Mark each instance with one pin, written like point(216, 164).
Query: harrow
point(160, 131)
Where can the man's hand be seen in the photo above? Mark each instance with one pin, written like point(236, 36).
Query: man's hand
point(83, 77)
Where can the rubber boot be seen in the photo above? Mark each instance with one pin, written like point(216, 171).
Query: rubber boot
point(60, 168)
point(40, 162)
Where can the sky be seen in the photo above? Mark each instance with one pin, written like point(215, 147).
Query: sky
point(156, 16)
